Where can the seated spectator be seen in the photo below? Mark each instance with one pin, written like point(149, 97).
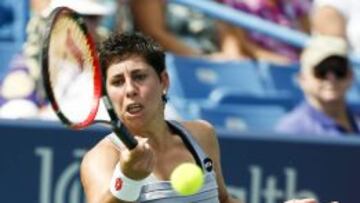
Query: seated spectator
point(156, 19)
point(325, 77)
point(21, 94)
point(338, 18)
point(238, 43)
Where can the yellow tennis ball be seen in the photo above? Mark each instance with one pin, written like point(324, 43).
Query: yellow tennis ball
point(187, 179)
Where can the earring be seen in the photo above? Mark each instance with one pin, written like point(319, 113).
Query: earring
point(164, 97)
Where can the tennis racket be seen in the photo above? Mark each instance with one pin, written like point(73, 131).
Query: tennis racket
point(72, 75)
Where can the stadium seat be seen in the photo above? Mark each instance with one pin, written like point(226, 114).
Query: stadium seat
point(242, 117)
point(14, 16)
point(354, 93)
point(196, 78)
point(7, 51)
point(6, 15)
point(193, 80)
point(281, 79)
point(230, 96)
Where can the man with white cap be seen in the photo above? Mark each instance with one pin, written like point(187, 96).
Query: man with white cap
point(325, 76)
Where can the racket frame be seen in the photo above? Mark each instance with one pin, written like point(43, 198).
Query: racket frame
point(99, 83)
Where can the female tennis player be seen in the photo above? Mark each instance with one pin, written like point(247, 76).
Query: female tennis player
point(137, 82)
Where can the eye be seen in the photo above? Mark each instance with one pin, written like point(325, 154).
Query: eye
point(140, 77)
point(117, 81)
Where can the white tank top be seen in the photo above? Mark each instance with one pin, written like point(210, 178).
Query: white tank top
point(156, 191)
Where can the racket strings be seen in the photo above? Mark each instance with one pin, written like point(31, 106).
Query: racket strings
point(66, 31)
point(71, 69)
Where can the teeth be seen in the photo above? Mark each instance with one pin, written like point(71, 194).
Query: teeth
point(134, 108)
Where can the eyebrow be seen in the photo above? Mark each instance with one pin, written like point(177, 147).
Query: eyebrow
point(137, 71)
point(131, 72)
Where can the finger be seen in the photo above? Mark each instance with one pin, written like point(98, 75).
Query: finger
point(128, 156)
point(141, 139)
point(143, 156)
point(147, 155)
point(140, 149)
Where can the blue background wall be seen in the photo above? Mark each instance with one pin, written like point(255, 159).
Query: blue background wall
point(40, 164)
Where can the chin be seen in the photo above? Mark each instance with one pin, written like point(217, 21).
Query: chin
point(135, 120)
point(134, 123)
point(332, 98)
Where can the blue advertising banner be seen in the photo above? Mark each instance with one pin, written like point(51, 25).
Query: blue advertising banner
point(273, 168)
point(40, 164)
point(40, 161)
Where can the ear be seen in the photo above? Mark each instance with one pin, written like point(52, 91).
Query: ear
point(351, 74)
point(165, 81)
point(300, 79)
point(351, 77)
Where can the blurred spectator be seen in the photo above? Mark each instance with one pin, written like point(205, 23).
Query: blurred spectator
point(121, 20)
point(325, 76)
point(21, 94)
point(238, 43)
point(338, 18)
point(170, 25)
point(37, 6)
point(92, 10)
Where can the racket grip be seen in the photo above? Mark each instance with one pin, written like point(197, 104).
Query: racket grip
point(123, 134)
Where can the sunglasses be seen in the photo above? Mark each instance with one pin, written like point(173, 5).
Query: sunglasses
point(337, 65)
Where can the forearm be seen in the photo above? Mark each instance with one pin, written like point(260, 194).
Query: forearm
point(230, 41)
point(171, 43)
point(108, 198)
point(263, 54)
point(149, 18)
point(232, 200)
point(305, 26)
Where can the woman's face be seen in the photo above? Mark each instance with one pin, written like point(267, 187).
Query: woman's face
point(136, 91)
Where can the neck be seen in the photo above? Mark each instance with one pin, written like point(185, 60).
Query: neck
point(157, 130)
point(335, 109)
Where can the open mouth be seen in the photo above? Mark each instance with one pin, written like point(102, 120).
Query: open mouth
point(134, 108)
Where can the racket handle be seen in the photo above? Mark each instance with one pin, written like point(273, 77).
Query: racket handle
point(118, 128)
point(123, 134)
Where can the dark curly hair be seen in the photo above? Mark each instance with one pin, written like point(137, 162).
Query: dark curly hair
point(118, 47)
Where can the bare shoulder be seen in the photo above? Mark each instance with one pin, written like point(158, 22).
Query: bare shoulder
point(103, 151)
point(204, 133)
point(99, 160)
point(200, 127)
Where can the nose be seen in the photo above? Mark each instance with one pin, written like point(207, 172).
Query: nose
point(130, 88)
point(331, 76)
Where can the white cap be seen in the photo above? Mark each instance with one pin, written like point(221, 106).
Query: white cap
point(83, 7)
point(320, 47)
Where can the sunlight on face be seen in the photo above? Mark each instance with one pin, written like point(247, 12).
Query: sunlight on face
point(135, 90)
point(329, 89)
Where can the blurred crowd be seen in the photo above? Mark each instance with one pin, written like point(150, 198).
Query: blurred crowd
point(188, 32)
